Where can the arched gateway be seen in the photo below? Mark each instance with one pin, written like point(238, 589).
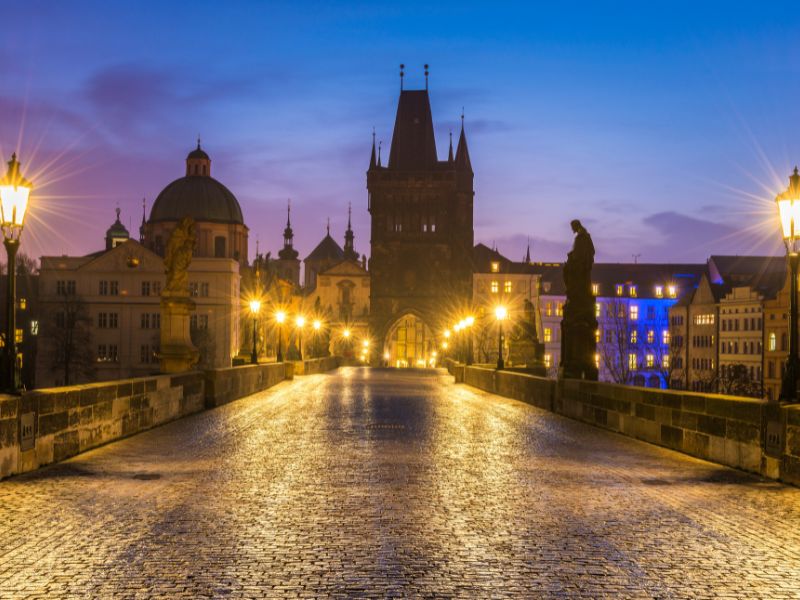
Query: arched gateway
point(409, 343)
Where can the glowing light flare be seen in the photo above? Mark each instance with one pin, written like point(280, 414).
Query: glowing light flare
point(446, 333)
point(280, 317)
point(346, 333)
point(500, 313)
point(445, 345)
point(255, 306)
point(470, 321)
point(386, 356)
point(14, 195)
point(300, 321)
point(317, 325)
point(365, 343)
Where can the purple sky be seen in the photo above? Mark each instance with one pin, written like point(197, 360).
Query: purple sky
point(667, 130)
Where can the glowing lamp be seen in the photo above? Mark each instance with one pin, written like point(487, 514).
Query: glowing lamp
point(446, 333)
point(280, 317)
point(501, 313)
point(346, 333)
point(317, 325)
point(14, 194)
point(789, 210)
point(255, 306)
point(470, 321)
point(300, 321)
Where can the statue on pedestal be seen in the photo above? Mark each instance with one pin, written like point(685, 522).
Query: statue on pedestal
point(177, 351)
point(579, 324)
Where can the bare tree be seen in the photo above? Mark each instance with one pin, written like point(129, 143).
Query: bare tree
point(615, 345)
point(735, 380)
point(69, 335)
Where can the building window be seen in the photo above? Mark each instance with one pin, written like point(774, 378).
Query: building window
point(632, 291)
point(495, 267)
point(548, 360)
point(156, 288)
point(650, 361)
point(609, 336)
point(651, 312)
point(113, 288)
point(194, 288)
point(773, 342)
point(596, 360)
point(495, 287)
point(665, 337)
point(103, 288)
point(113, 320)
point(596, 309)
point(634, 336)
point(65, 287)
point(659, 291)
point(548, 334)
point(148, 354)
point(651, 336)
point(620, 289)
point(559, 309)
point(634, 312)
point(595, 289)
point(198, 322)
point(34, 327)
point(548, 309)
point(597, 336)
point(673, 291)
point(665, 361)
point(23, 303)
point(632, 363)
point(145, 288)
point(102, 320)
point(508, 287)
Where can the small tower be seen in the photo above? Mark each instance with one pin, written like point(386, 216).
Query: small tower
point(288, 265)
point(117, 234)
point(198, 163)
point(349, 250)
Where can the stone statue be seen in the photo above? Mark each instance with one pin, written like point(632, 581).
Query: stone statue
point(178, 257)
point(579, 323)
point(177, 352)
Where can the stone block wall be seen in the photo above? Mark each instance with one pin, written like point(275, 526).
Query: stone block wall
point(226, 385)
point(727, 430)
point(313, 366)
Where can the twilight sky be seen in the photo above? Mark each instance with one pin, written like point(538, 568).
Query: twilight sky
point(667, 128)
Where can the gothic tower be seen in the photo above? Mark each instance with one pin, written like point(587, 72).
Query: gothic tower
point(287, 264)
point(422, 236)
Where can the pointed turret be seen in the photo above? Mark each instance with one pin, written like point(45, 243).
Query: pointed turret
point(288, 252)
point(462, 152)
point(349, 250)
point(450, 152)
point(116, 234)
point(528, 253)
point(372, 162)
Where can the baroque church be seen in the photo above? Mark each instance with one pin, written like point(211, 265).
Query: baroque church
point(421, 236)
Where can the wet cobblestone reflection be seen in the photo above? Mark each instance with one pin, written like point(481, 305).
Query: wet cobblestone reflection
point(393, 484)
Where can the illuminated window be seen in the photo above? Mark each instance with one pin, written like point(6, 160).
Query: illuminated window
point(595, 288)
point(495, 287)
point(651, 336)
point(634, 336)
point(650, 361)
point(596, 360)
point(23, 304)
point(632, 291)
point(596, 309)
point(559, 309)
point(673, 291)
point(773, 341)
point(18, 335)
point(548, 334)
point(34, 327)
point(659, 291)
point(632, 363)
point(665, 337)
point(548, 360)
point(620, 289)
point(634, 312)
point(548, 309)
point(495, 267)
point(665, 361)
point(508, 287)
point(597, 336)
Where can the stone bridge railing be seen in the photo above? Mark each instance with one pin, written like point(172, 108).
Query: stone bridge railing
point(49, 425)
point(744, 433)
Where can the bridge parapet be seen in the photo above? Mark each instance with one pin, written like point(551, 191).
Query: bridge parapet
point(744, 433)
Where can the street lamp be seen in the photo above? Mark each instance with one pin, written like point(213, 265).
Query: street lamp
point(14, 194)
point(280, 317)
point(300, 321)
point(501, 314)
point(789, 209)
point(317, 325)
point(255, 306)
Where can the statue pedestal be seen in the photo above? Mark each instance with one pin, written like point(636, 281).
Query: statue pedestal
point(177, 351)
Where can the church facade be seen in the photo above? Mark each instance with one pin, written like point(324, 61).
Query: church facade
point(421, 237)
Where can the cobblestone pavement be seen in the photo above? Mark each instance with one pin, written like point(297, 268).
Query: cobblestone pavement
point(393, 484)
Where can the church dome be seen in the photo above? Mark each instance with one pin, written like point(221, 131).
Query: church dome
point(197, 195)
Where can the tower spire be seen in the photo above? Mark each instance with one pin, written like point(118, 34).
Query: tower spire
point(462, 152)
point(372, 157)
point(450, 152)
point(426, 77)
point(349, 249)
point(288, 252)
point(328, 226)
point(379, 152)
point(528, 253)
point(288, 212)
point(402, 74)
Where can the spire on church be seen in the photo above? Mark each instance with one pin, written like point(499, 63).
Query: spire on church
point(450, 152)
point(380, 144)
point(462, 152)
point(288, 252)
point(528, 253)
point(349, 249)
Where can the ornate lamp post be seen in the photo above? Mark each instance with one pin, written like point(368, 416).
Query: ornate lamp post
point(300, 321)
point(500, 314)
point(255, 306)
point(14, 194)
point(280, 317)
point(469, 322)
point(789, 208)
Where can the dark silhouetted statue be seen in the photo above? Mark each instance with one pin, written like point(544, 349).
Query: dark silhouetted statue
point(579, 323)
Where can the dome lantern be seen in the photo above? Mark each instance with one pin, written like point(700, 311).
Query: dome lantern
point(198, 162)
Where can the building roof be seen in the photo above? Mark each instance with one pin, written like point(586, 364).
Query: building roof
point(327, 249)
point(201, 197)
point(483, 257)
point(765, 274)
point(413, 142)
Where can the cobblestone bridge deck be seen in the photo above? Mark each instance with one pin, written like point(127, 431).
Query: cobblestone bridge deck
point(379, 484)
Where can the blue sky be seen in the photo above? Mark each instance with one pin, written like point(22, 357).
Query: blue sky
point(667, 128)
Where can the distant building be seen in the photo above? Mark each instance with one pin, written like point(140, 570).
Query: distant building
point(326, 254)
point(421, 236)
point(287, 264)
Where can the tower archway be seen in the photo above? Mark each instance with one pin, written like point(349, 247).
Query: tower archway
point(409, 343)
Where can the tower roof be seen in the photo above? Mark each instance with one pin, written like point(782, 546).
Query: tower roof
point(462, 152)
point(327, 249)
point(413, 142)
